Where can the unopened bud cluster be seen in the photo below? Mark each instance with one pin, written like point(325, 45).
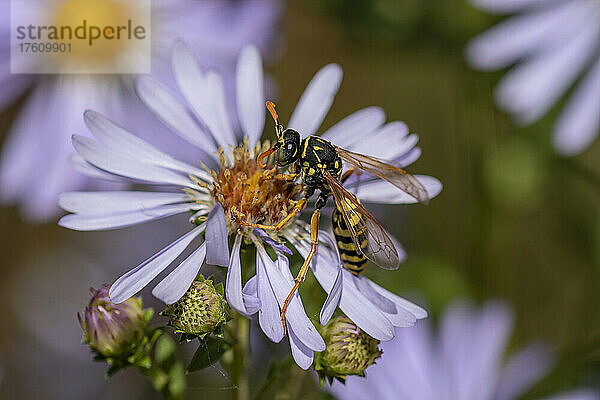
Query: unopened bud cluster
point(202, 309)
point(349, 351)
point(113, 330)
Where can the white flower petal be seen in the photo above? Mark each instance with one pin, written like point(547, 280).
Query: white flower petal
point(399, 248)
point(303, 356)
point(133, 281)
point(233, 283)
point(268, 315)
point(98, 222)
point(380, 191)
point(112, 202)
point(364, 286)
point(363, 313)
point(387, 143)
point(408, 158)
point(460, 336)
point(104, 158)
point(579, 123)
point(195, 88)
point(216, 92)
point(491, 330)
point(530, 89)
point(316, 100)
point(333, 299)
point(216, 237)
point(414, 309)
point(19, 153)
point(85, 168)
point(174, 285)
point(505, 6)
point(123, 142)
point(250, 293)
point(295, 315)
point(250, 94)
point(159, 99)
point(353, 303)
point(355, 126)
point(579, 394)
point(400, 312)
point(521, 35)
point(524, 369)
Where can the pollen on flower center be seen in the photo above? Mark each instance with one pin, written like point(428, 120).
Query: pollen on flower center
point(251, 193)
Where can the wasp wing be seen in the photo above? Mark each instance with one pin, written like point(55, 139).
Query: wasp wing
point(396, 176)
point(369, 237)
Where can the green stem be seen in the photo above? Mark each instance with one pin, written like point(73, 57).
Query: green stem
point(274, 377)
point(159, 380)
point(239, 375)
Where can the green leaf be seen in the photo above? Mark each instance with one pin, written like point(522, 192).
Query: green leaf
point(210, 350)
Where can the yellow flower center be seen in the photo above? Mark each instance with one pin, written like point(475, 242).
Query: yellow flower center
point(105, 15)
point(251, 193)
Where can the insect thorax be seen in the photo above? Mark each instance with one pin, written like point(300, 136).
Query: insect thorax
point(318, 154)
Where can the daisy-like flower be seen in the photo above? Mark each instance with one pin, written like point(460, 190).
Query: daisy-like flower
point(464, 361)
point(553, 43)
point(237, 189)
point(39, 142)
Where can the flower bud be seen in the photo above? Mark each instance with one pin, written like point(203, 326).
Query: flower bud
point(110, 329)
point(202, 309)
point(349, 351)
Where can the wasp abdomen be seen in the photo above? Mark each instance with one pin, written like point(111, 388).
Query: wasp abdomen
point(353, 260)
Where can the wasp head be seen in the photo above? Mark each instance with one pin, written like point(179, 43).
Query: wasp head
point(288, 147)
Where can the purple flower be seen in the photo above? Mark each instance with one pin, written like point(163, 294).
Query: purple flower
point(464, 361)
point(230, 187)
point(214, 200)
point(553, 44)
point(34, 165)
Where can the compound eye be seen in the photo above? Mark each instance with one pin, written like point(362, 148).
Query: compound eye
point(286, 154)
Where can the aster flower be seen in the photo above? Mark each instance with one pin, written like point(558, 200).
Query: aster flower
point(464, 361)
point(237, 187)
point(38, 144)
point(553, 43)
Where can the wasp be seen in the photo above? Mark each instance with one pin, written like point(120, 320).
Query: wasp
point(320, 164)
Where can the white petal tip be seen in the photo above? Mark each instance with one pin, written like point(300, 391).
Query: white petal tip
point(116, 297)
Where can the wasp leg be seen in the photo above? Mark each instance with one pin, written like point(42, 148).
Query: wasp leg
point(287, 177)
point(297, 209)
point(347, 175)
point(314, 238)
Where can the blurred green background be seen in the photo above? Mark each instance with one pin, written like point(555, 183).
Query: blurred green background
point(513, 221)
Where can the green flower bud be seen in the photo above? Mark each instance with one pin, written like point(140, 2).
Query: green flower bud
point(202, 310)
point(113, 330)
point(349, 351)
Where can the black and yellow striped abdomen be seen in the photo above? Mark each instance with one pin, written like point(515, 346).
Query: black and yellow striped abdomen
point(353, 260)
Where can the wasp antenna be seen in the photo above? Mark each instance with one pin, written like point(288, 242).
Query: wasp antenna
point(273, 112)
point(271, 108)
